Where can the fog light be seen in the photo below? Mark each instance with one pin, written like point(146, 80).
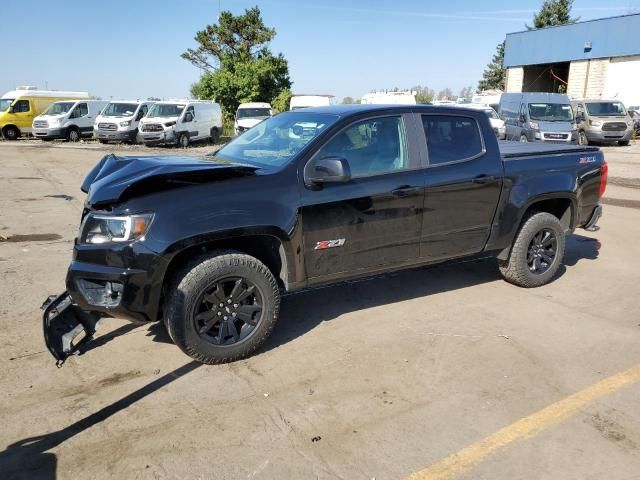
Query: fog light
point(101, 293)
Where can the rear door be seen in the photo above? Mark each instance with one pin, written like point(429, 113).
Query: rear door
point(373, 220)
point(463, 184)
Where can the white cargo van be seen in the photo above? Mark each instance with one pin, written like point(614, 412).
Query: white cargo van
point(70, 119)
point(250, 114)
point(119, 121)
point(388, 98)
point(181, 122)
point(305, 101)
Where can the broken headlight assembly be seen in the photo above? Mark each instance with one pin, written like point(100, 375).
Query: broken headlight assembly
point(99, 229)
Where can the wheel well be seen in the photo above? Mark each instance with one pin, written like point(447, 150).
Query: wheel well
point(6, 127)
point(266, 248)
point(562, 208)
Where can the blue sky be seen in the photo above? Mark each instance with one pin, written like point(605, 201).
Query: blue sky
point(131, 48)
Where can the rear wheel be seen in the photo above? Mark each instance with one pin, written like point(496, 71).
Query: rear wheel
point(183, 140)
point(11, 133)
point(523, 138)
point(222, 307)
point(103, 141)
point(582, 138)
point(214, 136)
point(73, 134)
point(536, 253)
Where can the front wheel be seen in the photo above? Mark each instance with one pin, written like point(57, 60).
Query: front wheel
point(222, 307)
point(73, 135)
point(183, 140)
point(582, 138)
point(536, 253)
point(623, 143)
point(523, 138)
point(11, 133)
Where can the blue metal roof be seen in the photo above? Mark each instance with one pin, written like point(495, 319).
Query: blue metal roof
point(608, 37)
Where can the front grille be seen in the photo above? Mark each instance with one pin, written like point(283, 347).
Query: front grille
point(107, 126)
point(152, 127)
point(614, 127)
point(40, 124)
point(556, 136)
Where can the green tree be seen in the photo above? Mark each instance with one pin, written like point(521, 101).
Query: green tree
point(446, 94)
point(236, 61)
point(553, 13)
point(493, 75)
point(282, 101)
point(347, 100)
point(423, 94)
point(466, 92)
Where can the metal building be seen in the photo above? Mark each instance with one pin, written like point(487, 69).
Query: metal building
point(592, 59)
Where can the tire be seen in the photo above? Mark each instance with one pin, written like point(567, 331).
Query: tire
point(624, 143)
point(183, 140)
point(73, 134)
point(133, 138)
point(582, 138)
point(103, 141)
point(523, 138)
point(192, 311)
point(11, 133)
point(215, 135)
point(517, 268)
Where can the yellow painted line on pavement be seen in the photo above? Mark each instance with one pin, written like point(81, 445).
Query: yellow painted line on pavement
point(457, 463)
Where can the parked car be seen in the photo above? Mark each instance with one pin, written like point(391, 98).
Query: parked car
point(72, 119)
point(19, 107)
point(120, 120)
point(181, 122)
point(496, 122)
point(602, 121)
point(249, 115)
point(305, 101)
point(311, 198)
point(538, 117)
point(635, 116)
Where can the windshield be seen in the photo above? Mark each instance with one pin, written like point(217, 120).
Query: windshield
point(119, 110)
point(165, 110)
point(606, 109)
point(550, 112)
point(5, 103)
point(276, 141)
point(58, 108)
point(253, 113)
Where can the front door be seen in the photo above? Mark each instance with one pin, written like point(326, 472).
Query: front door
point(463, 184)
point(374, 220)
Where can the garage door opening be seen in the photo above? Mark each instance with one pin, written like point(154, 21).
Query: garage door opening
point(548, 77)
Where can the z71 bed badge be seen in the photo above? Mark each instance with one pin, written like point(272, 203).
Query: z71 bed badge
point(329, 244)
point(587, 159)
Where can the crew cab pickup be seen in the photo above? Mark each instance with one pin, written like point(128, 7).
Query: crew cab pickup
point(311, 197)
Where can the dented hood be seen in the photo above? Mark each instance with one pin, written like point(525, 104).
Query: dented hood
point(115, 179)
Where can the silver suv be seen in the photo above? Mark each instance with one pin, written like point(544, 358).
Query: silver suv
point(602, 121)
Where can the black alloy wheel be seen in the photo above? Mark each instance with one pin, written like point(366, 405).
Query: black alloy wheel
point(228, 311)
point(542, 251)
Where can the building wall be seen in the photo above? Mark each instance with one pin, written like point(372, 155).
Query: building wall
point(587, 78)
point(515, 77)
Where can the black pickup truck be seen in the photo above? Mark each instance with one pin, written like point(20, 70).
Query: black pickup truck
point(307, 198)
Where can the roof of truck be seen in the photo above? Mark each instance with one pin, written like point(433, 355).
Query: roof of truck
point(354, 109)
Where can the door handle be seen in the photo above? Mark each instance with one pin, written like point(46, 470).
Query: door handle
point(404, 191)
point(483, 179)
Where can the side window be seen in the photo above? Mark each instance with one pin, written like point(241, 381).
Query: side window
point(451, 138)
point(21, 106)
point(144, 109)
point(80, 111)
point(374, 146)
point(190, 114)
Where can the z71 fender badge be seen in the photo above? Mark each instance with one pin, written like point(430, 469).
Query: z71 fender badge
point(323, 245)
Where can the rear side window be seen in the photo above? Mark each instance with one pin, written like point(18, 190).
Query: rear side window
point(451, 138)
point(21, 106)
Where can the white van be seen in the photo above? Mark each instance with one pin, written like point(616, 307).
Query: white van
point(496, 122)
point(388, 98)
point(120, 120)
point(70, 119)
point(250, 114)
point(181, 122)
point(304, 101)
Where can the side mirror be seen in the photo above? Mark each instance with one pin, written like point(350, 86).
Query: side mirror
point(580, 117)
point(522, 119)
point(139, 116)
point(329, 170)
point(188, 117)
point(11, 109)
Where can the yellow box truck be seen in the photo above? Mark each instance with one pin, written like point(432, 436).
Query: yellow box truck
point(19, 107)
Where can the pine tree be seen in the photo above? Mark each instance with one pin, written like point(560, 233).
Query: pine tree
point(493, 75)
point(552, 13)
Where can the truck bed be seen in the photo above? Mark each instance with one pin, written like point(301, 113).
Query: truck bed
point(520, 149)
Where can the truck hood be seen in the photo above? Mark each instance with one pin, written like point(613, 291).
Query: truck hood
point(557, 127)
point(115, 179)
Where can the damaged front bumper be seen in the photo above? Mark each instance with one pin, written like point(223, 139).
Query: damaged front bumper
point(63, 322)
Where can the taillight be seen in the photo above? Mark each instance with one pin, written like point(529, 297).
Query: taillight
point(604, 175)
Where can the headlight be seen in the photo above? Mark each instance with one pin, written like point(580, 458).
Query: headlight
point(98, 229)
point(594, 123)
point(170, 124)
point(534, 125)
point(125, 124)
